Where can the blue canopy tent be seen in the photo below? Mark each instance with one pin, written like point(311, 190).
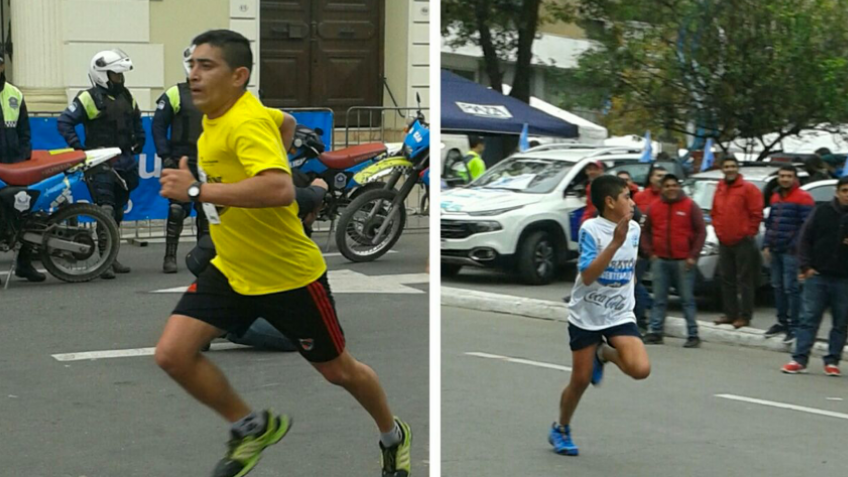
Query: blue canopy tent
point(468, 107)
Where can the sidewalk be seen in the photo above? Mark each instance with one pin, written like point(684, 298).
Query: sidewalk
point(674, 326)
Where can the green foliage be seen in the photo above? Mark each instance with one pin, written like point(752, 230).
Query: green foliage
point(746, 67)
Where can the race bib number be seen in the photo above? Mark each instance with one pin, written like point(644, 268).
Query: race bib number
point(209, 209)
point(211, 213)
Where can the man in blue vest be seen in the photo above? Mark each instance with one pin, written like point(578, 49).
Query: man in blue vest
point(15, 146)
point(111, 118)
point(176, 111)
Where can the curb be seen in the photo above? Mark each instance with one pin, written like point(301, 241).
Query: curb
point(674, 327)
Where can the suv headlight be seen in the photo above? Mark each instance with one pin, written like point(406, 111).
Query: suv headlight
point(487, 213)
point(709, 249)
point(486, 226)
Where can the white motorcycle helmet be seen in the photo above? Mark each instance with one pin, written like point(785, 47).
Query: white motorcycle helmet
point(187, 56)
point(114, 60)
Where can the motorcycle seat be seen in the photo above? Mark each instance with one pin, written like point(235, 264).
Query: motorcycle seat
point(40, 166)
point(351, 156)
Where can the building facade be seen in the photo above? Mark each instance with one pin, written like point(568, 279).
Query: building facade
point(308, 53)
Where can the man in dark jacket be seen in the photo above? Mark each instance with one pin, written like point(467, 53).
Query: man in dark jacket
point(790, 206)
point(737, 213)
point(111, 118)
point(673, 237)
point(823, 259)
point(15, 146)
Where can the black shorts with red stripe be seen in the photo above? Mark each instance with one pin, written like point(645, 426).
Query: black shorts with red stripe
point(307, 316)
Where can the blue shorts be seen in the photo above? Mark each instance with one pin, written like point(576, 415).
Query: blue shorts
point(580, 338)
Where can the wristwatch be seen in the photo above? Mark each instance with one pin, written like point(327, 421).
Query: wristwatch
point(194, 191)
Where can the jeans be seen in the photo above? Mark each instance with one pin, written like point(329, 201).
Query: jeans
point(665, 274)
point(643, 298)
point(262, 335)
point(821, 293)
point(739, 265)
point(787, 293)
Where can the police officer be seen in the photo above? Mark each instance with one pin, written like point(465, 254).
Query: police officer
point(15, 146)
point(175, 110)
point(111, 118)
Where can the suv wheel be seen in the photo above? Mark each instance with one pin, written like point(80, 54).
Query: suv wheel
point(450, 269)
point(537, 258)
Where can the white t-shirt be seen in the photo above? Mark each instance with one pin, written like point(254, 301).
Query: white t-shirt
point(609, 300)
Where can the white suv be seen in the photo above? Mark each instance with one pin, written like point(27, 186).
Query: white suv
point(524, 213)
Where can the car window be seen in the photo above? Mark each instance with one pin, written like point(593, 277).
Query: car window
point(639, 170)
point(823, 194)
point(524, 174)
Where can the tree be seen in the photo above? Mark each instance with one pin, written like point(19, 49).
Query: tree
point(505, 31)
point(737, 68)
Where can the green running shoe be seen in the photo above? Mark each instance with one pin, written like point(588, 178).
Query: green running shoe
point(244, 451)
point(395, 460)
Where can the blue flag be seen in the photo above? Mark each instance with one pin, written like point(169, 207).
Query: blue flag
point(524, 141)
point(648, 151)
point(709, 158)
point(844, 168)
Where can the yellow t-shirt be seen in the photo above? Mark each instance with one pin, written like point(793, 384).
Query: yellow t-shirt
point(260, 251)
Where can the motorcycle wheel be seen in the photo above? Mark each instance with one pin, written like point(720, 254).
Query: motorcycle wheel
point(355, 232)
point(80, 223)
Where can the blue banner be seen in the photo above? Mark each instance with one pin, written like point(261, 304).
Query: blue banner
point(145, 202)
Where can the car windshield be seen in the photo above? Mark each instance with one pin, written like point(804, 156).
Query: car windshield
point(639, 170)
point(525, 175)
point(702, 191)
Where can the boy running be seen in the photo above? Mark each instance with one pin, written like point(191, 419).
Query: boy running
point(601, 323)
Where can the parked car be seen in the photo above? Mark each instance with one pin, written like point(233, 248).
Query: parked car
point(524, 213)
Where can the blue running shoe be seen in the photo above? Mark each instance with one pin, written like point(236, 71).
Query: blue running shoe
point(597, 371)
point(560, 438)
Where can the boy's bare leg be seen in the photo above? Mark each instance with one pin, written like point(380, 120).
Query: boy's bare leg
point(582, 362)
point(178, 354)
point(629, 354)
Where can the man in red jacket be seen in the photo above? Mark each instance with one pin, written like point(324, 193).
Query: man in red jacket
point(653, 189)
point(737, 213)
point(672, 237)
point(593, 171)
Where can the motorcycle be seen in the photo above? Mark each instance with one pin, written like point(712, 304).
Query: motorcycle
point(337, 168)
point(76, 242)
point(374, 221)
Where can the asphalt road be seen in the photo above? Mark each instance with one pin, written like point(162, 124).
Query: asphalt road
point(496, 413)
point(125, 417)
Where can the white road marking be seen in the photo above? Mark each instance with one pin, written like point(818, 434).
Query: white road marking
point(331, 254)
point(520, 361)
point(348, 281)
point(128, 353)
point(792, 407)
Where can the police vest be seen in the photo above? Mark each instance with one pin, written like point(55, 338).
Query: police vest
point(11, 99)
point(187, 124)
point(110, 119)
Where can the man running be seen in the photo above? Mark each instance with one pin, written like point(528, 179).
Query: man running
point(266, 266)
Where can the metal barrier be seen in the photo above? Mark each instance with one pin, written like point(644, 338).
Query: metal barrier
point(387, 125)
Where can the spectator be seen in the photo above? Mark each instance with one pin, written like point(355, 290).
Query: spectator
point(823, 259)
point(473, 160)
point(674, 234)
point(790, 207)
point(624, 175)
point(815, 166)
point(652, 189)
point(643, 298)
point(737, 213)
point(593, 171)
